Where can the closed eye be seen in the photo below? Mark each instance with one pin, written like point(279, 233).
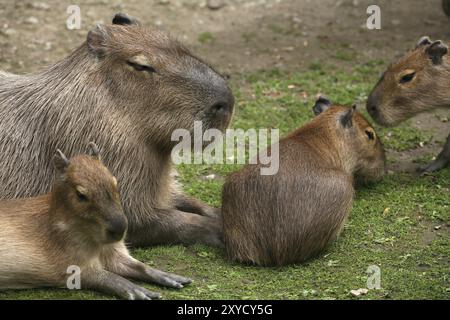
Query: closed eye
point(81, 197)
point(141, 67)
point(407, 77)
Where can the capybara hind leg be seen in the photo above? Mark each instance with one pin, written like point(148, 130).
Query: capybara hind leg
point(442, 160)
point(170, 226)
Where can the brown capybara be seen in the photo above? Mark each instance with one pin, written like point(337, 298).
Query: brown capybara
point(127, 87)
point(79, 225)
point(418, 82)
point(291, 216)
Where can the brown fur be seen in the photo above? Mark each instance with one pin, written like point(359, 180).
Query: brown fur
point(293, 215)
point(107, 91)
point(42, 236)
point(394, 100)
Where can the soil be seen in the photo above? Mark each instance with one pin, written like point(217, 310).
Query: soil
point(240, 36)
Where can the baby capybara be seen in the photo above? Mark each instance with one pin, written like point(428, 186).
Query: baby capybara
point(288, 217)
point(79, 225)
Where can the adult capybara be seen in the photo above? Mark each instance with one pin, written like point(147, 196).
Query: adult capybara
point(128, 87)
point(79, 227)
point(291, 216)
point(419, 81)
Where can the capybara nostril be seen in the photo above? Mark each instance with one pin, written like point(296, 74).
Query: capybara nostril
point(372, 108)
point(221, 107)
point(116, 228)
point(224, 103)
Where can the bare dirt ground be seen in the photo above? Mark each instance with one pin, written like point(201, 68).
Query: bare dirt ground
point(240, 37)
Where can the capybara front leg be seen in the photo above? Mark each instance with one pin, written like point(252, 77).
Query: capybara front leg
point(185, 203)
point(170, 226)
point(126, 266)
point(442, 160)
point(110, 283)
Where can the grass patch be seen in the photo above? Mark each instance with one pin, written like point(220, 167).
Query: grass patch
point(399, 225)
point(205, 37)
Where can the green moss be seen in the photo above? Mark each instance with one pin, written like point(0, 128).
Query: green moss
point(404, 137)
point(205, 37)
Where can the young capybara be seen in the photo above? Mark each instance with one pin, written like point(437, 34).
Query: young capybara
point(128, 87)
point(288, 217)
point(419, 81)
point(81, 224)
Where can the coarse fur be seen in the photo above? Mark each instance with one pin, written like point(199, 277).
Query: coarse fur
point(419, 81)
point(128, 87)
point(80, 224)
point(291, 216)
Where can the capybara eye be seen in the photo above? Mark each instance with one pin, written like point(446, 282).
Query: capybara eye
point(407, 77)
point(141, 67)
point(82, 197)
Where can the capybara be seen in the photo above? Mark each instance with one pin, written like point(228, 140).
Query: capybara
point(418, 82)
point(128, 88)
point(291, 216)
point(80, 224)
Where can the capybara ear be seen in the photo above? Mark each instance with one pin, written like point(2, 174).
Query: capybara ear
point(97, 40)
point(436, 51)
point(321, 105)
point(424, 41)
point(60, 161)
point(124, 19)
point(95, 152)
point(346, 118)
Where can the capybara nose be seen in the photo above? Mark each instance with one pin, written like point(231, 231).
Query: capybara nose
point(372, 109)
point(116, 228)
point(221, 108)
point(224, 104)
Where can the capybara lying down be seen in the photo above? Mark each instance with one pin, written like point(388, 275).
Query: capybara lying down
point(128, 87)
point(79, 225)
point(288, 217)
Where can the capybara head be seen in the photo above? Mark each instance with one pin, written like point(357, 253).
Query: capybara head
point(418, 81)
point(87, 192)
point(357, 139)
point(167, 86)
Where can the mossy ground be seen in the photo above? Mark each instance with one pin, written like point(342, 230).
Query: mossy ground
point(400, 225)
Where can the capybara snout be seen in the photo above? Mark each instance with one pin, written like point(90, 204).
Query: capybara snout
point(116, 227)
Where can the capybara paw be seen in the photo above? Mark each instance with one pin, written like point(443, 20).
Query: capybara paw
point(433, 166)
point(140, 293)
